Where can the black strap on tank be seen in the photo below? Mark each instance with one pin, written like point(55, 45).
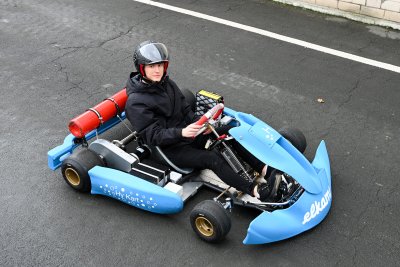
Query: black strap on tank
point(98, 115)
point(116, 105)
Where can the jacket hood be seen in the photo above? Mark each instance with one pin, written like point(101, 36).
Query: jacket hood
point(135, 84)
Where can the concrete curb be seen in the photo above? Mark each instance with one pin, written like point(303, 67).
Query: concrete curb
point(340, 13)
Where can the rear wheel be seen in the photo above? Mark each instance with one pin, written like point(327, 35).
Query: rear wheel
point(295, 137)
point(210, 221)
point(75, 169)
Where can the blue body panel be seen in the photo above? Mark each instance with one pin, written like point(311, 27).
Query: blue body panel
point(134, 191)
point(308, 211)
point(270, 147)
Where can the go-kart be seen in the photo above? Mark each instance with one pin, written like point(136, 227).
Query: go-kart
point(145, 178)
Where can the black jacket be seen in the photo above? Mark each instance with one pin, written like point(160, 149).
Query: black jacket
point(158, 112)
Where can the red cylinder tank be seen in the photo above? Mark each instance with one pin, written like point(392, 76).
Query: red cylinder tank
point(99, 114)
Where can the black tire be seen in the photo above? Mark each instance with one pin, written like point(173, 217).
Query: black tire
point(75, 169)
point(190, 98)
point(294, 136)
point(210, 221)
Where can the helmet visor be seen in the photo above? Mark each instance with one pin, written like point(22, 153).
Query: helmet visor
point(155, 52)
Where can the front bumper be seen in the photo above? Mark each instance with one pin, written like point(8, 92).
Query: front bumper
point(308, 211)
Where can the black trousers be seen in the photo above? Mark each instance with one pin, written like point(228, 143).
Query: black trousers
point(195, 156)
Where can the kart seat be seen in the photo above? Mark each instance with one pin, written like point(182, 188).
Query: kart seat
point(161, 157)
point(159, 154)
point(156, 150)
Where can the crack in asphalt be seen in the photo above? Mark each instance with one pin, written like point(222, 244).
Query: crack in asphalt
point(234, 7)
point(193, 2)
point(10, 3)
point(349, 95)
point(67, 79)
point(371, 42)
point(65, 54)
point(101, 44)
point(361, 225)
point(83, 47)
point(126, 32)
point(348, 99)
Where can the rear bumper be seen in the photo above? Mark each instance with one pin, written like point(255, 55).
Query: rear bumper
point(56, 155)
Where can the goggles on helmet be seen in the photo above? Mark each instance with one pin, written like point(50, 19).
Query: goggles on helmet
point(153, 53)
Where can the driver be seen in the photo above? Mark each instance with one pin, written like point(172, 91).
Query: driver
point(158, 111)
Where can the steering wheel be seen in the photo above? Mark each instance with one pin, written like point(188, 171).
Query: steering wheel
point(211, 114)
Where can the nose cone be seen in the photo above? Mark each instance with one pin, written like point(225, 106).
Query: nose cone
point(307, 212)
point(270, 227)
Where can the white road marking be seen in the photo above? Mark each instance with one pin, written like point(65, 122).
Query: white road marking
point(280, 37)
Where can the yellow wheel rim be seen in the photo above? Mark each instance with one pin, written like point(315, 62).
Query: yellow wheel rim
point(204, 226)
point(72, 176)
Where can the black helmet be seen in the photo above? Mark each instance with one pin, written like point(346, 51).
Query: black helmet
point(150, 52)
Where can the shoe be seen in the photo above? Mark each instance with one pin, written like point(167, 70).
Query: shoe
point(287, 185)
point(290, 184)
point(260, 179)
point(267, 192)
point(275, 180)
point(262, 192)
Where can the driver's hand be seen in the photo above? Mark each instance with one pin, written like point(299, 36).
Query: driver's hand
point(208, 131)
point(191, 130)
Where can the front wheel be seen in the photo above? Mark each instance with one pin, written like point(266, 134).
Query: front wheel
point(210, 221)
point(295, 137)
point(75, 169)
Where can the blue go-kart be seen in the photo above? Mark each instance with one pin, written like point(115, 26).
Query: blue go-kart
point(145, 178)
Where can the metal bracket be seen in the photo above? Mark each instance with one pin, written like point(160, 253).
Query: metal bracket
point(81, 141)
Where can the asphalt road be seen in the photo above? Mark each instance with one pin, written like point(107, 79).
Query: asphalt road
point(59, 58)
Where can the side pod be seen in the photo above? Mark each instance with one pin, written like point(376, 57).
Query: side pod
point(308, 211)
point(134, 191)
